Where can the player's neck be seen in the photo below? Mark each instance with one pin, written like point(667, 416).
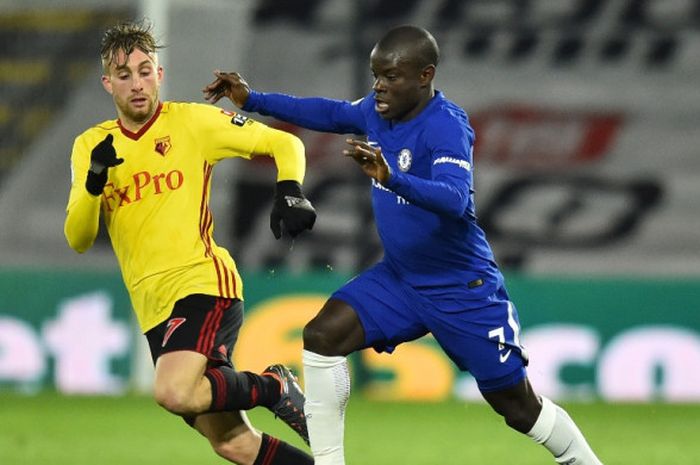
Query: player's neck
point(418, 108)
point(134, 126)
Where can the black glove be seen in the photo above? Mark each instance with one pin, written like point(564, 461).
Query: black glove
point(292, 209)
point(103, 156)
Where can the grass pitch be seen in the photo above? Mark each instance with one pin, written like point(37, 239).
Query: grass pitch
point(50, 429)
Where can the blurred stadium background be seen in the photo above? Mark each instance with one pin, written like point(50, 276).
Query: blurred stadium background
point(586, 114)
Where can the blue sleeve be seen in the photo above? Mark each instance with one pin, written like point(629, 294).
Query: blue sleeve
point(448, 191)
point(316, 113)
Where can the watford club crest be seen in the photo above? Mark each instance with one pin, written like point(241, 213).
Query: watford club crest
point(162, 145)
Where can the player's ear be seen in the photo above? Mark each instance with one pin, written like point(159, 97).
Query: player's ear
point(107, 84)
point(427, 75)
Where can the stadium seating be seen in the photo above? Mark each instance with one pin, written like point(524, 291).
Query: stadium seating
point(607, 55)
point(44, 54)
point(578, 27)
point(633, 60)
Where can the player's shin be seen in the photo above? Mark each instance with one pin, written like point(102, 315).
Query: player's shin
point(557, 432)
point(327, 386)
point(275, 452)
point(240, 390)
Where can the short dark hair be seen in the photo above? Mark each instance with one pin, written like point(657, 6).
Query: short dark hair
point(127, 36)
point(416, 42)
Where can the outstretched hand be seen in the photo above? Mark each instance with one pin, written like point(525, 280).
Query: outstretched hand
point(231, 85)
point(369, 158)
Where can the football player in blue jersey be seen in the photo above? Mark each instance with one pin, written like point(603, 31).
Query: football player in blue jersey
point(438, 274)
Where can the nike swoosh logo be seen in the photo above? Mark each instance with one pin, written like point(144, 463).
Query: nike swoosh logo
point(505, 356)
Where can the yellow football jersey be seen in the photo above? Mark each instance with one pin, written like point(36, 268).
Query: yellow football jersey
point(156, 204)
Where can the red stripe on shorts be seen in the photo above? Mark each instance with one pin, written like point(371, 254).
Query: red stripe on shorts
point(216, 324)
point(205, 330)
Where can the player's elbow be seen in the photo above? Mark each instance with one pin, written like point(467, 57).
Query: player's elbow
point(80, 246)
point(457, 207)
point(292, 144)
point(76, 241)
point(288, 152)
point(454, 198)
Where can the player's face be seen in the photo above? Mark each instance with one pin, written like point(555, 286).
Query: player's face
point(401, 88)
point(134, 83)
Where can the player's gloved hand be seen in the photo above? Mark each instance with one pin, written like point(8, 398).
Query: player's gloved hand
point(291, 209)
point(103, 156)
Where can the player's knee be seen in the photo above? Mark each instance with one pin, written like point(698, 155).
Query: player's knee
point(520, 419)
point(174, 400)
point(317, 340)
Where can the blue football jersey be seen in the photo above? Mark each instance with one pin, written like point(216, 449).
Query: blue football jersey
point(425, 214)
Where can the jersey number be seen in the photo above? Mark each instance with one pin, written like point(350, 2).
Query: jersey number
point(500, 335)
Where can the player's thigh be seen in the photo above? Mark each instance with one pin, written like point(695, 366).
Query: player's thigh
point(484, 340)
point(199, 325)
point(180, 368)
point(386, 307)
point(230, 435)
point(201, 331)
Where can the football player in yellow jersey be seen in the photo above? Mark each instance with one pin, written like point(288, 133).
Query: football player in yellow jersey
point(148, 174)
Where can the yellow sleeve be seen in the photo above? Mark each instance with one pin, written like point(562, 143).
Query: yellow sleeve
point(228, 134)
point(287, 150)
point(83, 210)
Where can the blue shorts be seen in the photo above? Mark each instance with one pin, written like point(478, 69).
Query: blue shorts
point(482, 339)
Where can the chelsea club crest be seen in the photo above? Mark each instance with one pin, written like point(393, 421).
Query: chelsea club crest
point(405, 160)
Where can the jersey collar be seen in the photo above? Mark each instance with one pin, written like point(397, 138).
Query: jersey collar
point(144, 128)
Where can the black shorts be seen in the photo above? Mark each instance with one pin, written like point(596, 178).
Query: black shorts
point(199, 323)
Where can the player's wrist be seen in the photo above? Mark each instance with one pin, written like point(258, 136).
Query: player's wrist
point(288, 187)
point(97, 168)
point(250, 101)
point(95, 182)
point(386, 177)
